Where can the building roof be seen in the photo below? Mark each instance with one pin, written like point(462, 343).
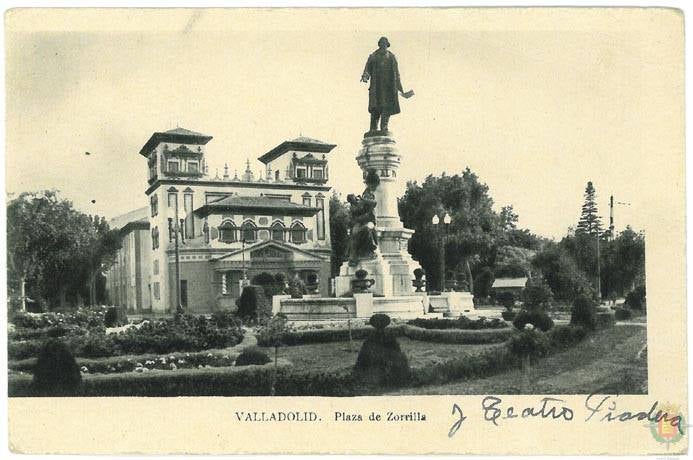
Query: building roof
point(255, 205)
point(122, 220)
point(300, 144)
point(177, 135)
point(259, 245)
point(509, 283)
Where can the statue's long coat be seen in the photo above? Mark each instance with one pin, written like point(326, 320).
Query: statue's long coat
point(382, 94)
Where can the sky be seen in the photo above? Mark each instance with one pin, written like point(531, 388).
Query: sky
point(536, 109)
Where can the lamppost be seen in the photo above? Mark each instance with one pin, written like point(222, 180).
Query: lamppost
point(173, 230)
point(441, 233)
point(244, 280)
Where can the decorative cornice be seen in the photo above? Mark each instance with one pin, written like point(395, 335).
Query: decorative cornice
point(235, 184)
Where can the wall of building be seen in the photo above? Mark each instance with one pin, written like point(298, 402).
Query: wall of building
point(127, 281)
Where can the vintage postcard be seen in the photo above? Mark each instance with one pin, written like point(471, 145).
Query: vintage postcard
point(348, 231)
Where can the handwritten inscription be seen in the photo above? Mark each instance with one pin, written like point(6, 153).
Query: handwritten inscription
point(600, 408)
point(605, 406)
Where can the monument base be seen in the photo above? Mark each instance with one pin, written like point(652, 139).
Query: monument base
point(392, 268)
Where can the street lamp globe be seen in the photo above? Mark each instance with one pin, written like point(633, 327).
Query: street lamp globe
point(447, 219)
point(435, 220)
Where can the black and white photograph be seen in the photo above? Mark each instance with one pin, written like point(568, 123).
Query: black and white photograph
point(384, 203)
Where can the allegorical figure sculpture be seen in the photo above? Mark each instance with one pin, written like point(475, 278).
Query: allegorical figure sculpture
point(381, 69)
point(363, 235)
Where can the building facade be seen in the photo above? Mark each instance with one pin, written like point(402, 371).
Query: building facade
point(230, 229)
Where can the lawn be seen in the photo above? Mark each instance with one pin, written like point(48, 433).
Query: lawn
point(333, 356)
point(605, 362)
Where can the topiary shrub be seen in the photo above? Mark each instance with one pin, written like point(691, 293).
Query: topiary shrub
point(56, 372)
point(537, 318)
point(379, 321)
point(253, 305)
point(380, 360)
point(252, 355)
point(537, 294)
point(111, 317)
point(637, 298)
point(584, 312)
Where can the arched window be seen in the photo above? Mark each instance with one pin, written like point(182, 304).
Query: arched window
point(298, 233)
point(278, 231)
point(227, 232)
point(249, 231)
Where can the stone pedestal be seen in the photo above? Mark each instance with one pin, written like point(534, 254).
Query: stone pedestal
point(393, 267)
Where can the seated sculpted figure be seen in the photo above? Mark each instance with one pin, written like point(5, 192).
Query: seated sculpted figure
point(363, 235)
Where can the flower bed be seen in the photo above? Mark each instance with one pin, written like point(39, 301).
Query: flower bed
point(184, 333)
point(459, 323)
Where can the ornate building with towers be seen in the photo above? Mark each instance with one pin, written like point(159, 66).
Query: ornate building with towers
point(213, 234)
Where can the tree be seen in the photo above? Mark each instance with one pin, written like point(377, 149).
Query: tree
point(562, 274)
point(623, 262)
point(54, 250)
point(475, 225)
point(508, 218)
point(512, 261)
point(590, 222)
point(339, 232)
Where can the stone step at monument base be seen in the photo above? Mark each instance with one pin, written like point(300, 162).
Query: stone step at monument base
point(338, 308)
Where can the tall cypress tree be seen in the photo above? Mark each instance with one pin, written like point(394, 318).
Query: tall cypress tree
point(590, 222)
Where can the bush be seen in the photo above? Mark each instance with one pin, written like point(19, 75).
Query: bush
point(537, 318)
point(115, 316)
point(584, 313)
point(506, 298)
point(380, 360)
point(637, 298)
point(529, 342)
point(565, 336)
point(252, 355)
point(622, 314)
point(459, 336)
point(56, 372)
point(537, 294)
point(253, 305)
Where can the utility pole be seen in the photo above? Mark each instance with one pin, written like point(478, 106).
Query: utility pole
point(611, 218)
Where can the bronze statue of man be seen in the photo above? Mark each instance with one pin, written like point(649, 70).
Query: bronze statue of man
point(381, 69)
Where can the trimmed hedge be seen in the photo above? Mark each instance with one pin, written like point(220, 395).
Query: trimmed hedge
point(461, 322)
point(222, 381)
point(324, 336)
point(459, 336)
